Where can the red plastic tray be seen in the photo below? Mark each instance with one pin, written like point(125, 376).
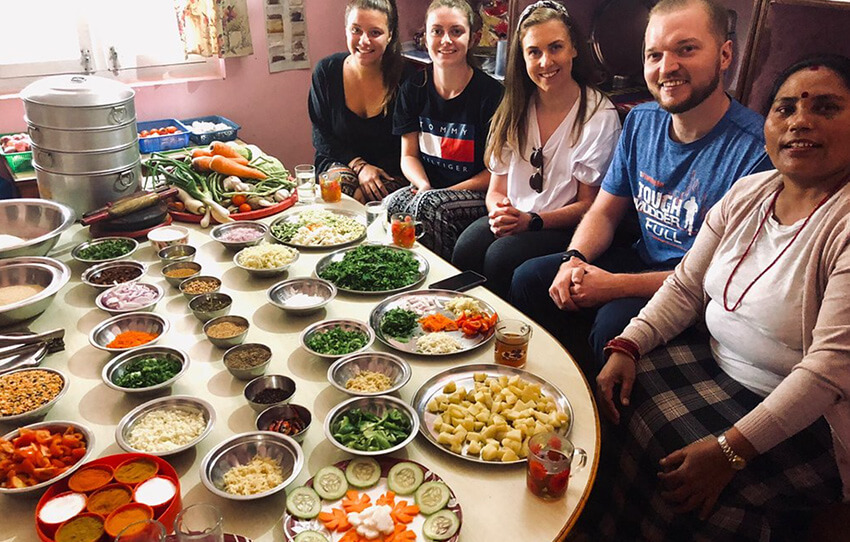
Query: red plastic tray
point(166, 518)
point(252, 215)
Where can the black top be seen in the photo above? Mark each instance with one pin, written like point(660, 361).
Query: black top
point(452, 133)
point(339, 134)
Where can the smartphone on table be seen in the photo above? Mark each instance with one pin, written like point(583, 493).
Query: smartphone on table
point(460, 282)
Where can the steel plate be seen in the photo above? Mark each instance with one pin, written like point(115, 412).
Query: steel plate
point(337, 256)
point(295, 217)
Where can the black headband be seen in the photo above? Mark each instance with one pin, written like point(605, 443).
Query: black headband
point(551, 4)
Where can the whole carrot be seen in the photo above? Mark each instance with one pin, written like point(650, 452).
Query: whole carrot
point(223, 149)
point(202, 163)
point(201, 152)
point(226, 166)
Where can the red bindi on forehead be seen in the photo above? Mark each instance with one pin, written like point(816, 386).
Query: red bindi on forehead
point(814, 68)
point(804, 95)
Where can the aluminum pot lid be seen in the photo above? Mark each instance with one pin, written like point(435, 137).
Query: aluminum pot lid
point(77, 91)
point(616, 35)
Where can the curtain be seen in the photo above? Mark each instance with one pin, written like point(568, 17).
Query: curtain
point(214, 27)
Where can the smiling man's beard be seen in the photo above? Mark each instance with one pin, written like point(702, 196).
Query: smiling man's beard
point(698, 95)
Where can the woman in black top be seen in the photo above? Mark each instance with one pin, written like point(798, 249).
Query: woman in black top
point(352, 100)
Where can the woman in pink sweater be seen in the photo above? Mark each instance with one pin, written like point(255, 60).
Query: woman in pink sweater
point(743, 434)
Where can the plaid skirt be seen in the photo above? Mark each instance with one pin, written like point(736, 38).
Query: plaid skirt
point(681, 396)
point(444, 213)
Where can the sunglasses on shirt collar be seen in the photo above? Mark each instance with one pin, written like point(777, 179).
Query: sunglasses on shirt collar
point(536, 180)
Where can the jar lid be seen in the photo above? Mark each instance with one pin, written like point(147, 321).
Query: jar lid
point(77, 91)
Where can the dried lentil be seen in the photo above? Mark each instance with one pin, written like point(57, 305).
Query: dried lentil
point(248, 357)
point(27, 390)
point(182, 272)
point(225, 330)
point(201, 286)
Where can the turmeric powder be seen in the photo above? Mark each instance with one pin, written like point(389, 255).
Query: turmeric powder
point(129, 339)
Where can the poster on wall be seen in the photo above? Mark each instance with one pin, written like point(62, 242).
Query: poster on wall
point(286, 32)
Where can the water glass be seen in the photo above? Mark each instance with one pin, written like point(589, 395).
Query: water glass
point(550, 461)
point(512, 337)
point(149, 530)
point(305, 182)
point(376, 210)
point(199, 523)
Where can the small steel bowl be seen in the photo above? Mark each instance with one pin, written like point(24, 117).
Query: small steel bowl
point(187, 281)
point(206, 316)
point(149, 322)
point(185, 403)
point(345, 368)
point(253, 372)
point(18, 272)
point(221, 230)
point(377, 406)
point(268, 382)
point(177, 253)
point(131, 243)
point(285, 412)
point(345, 324)
point(41, 411)
point(280, 293)
point(175, 281)
point(118, 365)
point(160, 240)
point(56, 427)
point(100, 300)
point(95, 270)
point(228, 341)
point(266, 272)
point(240, 450)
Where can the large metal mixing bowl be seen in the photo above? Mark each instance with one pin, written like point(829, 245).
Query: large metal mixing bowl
point(39, 222)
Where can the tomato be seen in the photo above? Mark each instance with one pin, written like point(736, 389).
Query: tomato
point(245, 208)
point(238, 199)
point(144, 133)
point(171, 129)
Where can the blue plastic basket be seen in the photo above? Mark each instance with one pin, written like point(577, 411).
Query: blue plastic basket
point(208, 137)
point(160, 143)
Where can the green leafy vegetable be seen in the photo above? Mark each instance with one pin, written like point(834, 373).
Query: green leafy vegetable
point(336, 341)
point(372, 268)
point(147, 371)
point(367, 432)
point(106, 250)
point(399, 323)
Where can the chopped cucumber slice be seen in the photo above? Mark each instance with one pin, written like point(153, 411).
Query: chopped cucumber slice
point(432, 496)
point(363, 472)
point(310, 536)
point(405, 478)
point(441, 526)
point(330, 483)
point(303, 503)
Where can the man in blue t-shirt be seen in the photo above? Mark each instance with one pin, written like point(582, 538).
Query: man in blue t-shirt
point(676, 157)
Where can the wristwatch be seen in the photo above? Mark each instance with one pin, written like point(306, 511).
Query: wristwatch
point(573, 253)
point(536, 223)
point(736, 461)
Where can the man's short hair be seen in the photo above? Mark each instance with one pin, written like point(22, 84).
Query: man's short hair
point(718, 17)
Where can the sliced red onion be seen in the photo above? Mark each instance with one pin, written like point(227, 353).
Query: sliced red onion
point(130, 295)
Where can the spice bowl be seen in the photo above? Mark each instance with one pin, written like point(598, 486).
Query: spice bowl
point(378, 406)
point(248, 361)
point(310, 333)
point(177, 272)
point(205, 307)
point(302, 295)
point(215, 330)
point(364, 368)
point(125, 245)
point(166, 236)
point(129, 290)
point(201, 284)
point(269, 390)
point(135, 372)
point(240, 234)
point(177, 253)
point(174, 404)
point(290, 419)
point(106, 275)
point(39, 411)
point(144, 322)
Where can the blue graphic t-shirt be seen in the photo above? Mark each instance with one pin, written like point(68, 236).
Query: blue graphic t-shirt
point(673, 185)
point(452, 133)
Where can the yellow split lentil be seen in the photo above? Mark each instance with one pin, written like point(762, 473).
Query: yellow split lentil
point(27, 390)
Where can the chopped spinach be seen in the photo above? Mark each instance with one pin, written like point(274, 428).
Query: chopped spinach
point(372, 268)
point(147, 371)
point(112, 248)
point(399, 324)
point(367, 432)
point(336, 341)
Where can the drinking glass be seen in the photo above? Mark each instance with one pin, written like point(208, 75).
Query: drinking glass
point(149, 530)
point(331, 187)
point(404, 230)
point(199, 523)
point(376, 210)
point(305, 179)
point(550, 460)
point(512, 337)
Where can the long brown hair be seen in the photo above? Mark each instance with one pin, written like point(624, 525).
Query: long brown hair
point(392, 63)
point(508, 127)
point(474, 23)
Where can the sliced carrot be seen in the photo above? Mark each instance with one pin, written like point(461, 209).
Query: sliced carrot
point(400, 534)
point(355, 502)
point(403, 513)
point(350, 536)
point(387, 498)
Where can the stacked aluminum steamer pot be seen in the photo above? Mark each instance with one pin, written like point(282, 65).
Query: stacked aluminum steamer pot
point(84, 140)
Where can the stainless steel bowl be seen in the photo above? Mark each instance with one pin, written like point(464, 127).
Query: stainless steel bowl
point(95, 270)
point(252, 372)
point(100, 300)
point(57, 426)
point(221, 230)
point(266, 272)
point(118, 366)
point(348, 367)
point(177, 253)
point(240, 449)
point(149, 322)
point(42, 410)
point(206, 316)
point(377, 406)
point(185, 282)
point(176, 281)
point(227, 342)
point(269, 382)
point(327, 325)
point(48, 273)
point(174, 403)
point(286, 412)
point(280, 293)
point(39, 222)
point(129, 241)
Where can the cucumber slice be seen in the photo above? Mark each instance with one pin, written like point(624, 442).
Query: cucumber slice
point(432, 496)
point(405, 478)
point(441, 525)
point(310, 536)
point(330, 483)
point(363, 472)
point(303, 503)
